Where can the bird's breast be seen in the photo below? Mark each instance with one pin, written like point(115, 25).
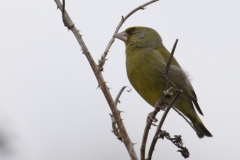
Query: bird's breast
point(143, 70)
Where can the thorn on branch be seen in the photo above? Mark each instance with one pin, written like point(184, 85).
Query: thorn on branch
point(69, 26)
point(141, 7)
point(121, 112)
point(98, 86)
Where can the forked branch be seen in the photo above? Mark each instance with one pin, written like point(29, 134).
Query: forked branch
point(155, 138)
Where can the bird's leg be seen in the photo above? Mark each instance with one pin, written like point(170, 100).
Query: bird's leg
point(160, 104)
point(150, 119)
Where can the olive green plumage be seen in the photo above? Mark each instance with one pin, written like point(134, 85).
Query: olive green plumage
point(145, 56)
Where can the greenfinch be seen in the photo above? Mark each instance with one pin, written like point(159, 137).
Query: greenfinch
point(146, 56)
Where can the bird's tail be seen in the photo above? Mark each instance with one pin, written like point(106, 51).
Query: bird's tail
point(199, 126)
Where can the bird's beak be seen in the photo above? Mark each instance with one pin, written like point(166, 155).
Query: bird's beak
point(122, 36)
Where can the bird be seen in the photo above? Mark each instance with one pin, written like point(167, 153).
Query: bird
point(146, 56)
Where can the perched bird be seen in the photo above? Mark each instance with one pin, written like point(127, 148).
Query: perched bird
point(146, 56)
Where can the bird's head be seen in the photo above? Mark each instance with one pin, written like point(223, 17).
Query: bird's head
point(139, 37)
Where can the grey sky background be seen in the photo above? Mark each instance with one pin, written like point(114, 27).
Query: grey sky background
point(50, 107)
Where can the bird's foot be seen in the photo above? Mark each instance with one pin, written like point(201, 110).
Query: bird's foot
point(151, 120)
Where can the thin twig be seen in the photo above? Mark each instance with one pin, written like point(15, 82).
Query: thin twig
point(145, 134)
point(103, 57)
point(167, 79)
point(126, 140)
point(119, 94)
point(156, 108)
point(168, 64)
point(148, 126)
point(155, 138)
point(190, 123)
point(154, 141)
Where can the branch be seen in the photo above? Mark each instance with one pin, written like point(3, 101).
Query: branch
point(157, 109)
point(168, 65)
point(190, 123)
point(119, 94)
point(155, 138)
point(126, 140)
point(168, 80)
point(103, 57)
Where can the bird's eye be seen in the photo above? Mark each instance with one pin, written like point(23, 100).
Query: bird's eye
point(130, 31)
point(139, 33)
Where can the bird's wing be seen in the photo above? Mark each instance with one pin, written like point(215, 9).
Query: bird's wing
point(193, 98)
point(192, 95)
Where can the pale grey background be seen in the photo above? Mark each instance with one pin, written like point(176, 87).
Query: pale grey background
point(50, 108)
